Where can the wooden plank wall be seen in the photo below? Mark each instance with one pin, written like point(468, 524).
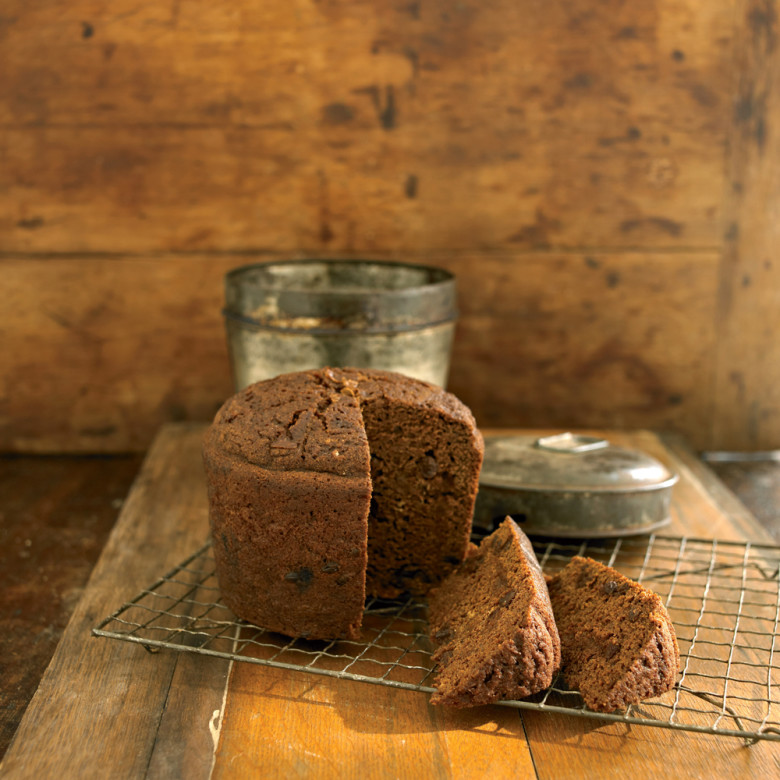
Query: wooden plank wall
point(603, 177)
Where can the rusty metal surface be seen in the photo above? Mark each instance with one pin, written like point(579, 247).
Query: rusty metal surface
point(293, 315)
point(572, 486)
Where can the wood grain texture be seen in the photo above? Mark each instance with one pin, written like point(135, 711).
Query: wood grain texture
point(360, 126)
point(55, 517)
point(188, 730)
point(359, 731)
point(107, 703)
point(747, 412)
point(533, 147)
point(100, 703)
point(544, 339)
point(591, 339)
point(749, 525)
point(128, 344)
point(564, 749)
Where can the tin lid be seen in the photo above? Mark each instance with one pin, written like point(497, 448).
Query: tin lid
point(570, 462)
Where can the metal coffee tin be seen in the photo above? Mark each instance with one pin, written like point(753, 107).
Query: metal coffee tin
point(291, 315)
point(572, 486)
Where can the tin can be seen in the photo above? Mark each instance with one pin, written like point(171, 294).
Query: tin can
point(572, 486)
point(292, 315)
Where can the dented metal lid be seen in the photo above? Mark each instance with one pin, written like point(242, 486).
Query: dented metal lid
point(572, 486)
point(570, 462)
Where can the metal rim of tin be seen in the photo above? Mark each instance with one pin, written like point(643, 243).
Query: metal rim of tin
point(440, 282)
point(593, 443)
point(444, 275)
point(608, 532)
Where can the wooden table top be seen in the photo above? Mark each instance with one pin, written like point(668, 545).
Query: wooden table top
point(108, 708)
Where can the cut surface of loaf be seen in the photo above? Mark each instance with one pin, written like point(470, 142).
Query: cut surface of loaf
point(331, 484)
point(494, 625)
point(618, 644)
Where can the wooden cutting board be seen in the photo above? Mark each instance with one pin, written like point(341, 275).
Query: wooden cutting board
point(107, 708)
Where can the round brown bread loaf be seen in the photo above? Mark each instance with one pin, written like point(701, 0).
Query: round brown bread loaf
point(330, 484)
point(494, 623)
point(617, 642)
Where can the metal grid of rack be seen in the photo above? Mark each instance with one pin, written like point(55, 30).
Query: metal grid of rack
point(723, 598)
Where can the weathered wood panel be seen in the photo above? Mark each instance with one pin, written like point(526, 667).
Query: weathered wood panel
point(100, 352)
point(104, 703)
point(57, 513)
point(747, 413)
point(97, 354)
point(360, 126)
point(147, 147)
point(170, 489)
point(594, 339)
point(389, 732)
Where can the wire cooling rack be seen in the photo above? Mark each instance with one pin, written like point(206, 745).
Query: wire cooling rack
point(723, 598)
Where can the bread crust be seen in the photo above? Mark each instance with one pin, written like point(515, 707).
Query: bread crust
point(307, 517)
point(618, 642)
